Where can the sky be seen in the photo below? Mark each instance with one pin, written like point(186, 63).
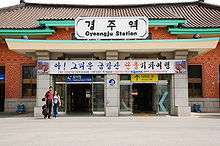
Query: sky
point(6, 3)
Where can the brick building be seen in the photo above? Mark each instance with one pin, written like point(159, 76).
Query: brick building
point(32, 35)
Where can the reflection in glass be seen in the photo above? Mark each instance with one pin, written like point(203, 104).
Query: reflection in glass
point(98, 97)
point(163, 98)
point(60, 88)
point(125, 98)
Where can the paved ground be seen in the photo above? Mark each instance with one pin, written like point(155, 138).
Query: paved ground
point(197, 130)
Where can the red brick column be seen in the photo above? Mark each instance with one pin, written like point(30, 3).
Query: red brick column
point(210, 80)
point(62, 34)
point(13, 80)
point(160, 33)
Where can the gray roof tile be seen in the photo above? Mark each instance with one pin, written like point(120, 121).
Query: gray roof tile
point(26, 15)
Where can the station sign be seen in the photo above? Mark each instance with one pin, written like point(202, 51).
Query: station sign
point(111, 28)
point(112, 66)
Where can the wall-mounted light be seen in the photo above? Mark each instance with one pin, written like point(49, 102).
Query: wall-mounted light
point(25, 37)
point(196, 36)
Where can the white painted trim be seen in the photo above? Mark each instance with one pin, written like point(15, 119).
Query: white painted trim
point(24, 46)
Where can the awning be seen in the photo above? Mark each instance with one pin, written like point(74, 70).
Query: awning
point(25, 45)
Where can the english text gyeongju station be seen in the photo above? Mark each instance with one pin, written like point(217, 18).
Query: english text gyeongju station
point(111, 60)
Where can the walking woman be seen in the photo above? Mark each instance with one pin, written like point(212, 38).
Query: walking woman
point(56, 104)
point(49, 101)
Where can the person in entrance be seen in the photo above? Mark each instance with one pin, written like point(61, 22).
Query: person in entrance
point(56, 104)
point(49, 100)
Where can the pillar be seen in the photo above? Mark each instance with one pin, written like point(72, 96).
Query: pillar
point(179, 100)
point(43, 83)
point(13, 86)
point(112, 89)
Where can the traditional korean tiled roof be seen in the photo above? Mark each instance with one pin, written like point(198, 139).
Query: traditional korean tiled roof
point(26, 15)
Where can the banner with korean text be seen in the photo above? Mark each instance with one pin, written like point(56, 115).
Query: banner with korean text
point(112, 66)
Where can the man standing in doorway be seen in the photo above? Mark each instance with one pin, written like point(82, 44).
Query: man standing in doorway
point(49, 100)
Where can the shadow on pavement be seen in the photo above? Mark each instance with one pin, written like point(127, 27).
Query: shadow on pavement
point(207, 115)
point(210, 116)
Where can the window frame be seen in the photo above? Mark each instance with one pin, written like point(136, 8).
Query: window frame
point(32, 81)
point(194, 81)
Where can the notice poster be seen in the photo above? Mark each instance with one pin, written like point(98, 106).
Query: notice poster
point(42, 67)
point(180, 67)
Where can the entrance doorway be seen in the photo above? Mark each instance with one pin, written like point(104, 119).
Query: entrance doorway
point(79, 98)
point(2, 88)
point(143, 97)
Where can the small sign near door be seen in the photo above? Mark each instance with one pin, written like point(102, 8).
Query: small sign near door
point(88, 94)
point(144, 78)
point(78, 78)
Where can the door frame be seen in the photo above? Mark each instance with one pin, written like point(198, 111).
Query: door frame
point(81, 83)
point(153, 92)
point(126, 83)
point(129, 83)
point(92, 94)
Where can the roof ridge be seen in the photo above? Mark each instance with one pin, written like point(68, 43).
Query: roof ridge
point(198, 2)
point(194, 12)
point(12, 7)
point(109, 6)
point(208, 5)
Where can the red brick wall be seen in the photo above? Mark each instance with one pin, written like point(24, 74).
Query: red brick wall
point(161, 33)
point(210, 62)
point(62, 34)
point(13, 70)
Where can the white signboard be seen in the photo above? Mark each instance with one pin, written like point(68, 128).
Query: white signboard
point(112, 66)
point(111, 28)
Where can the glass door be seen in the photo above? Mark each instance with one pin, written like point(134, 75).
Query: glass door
point(125, 98)
point(98, 98)
point(61, 90)
point(162, 97)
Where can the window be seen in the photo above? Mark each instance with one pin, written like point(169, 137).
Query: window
point(195, 81)
point(98, 78)
point(2, 74)
point(195, 71)
point(29, 86)
point(125, 77)
point(2, 88)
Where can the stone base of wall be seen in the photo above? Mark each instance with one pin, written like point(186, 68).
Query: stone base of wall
point(11, 103)
point(207, 104)
point(38, 112)
point(182, 111)
point(111, 112)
